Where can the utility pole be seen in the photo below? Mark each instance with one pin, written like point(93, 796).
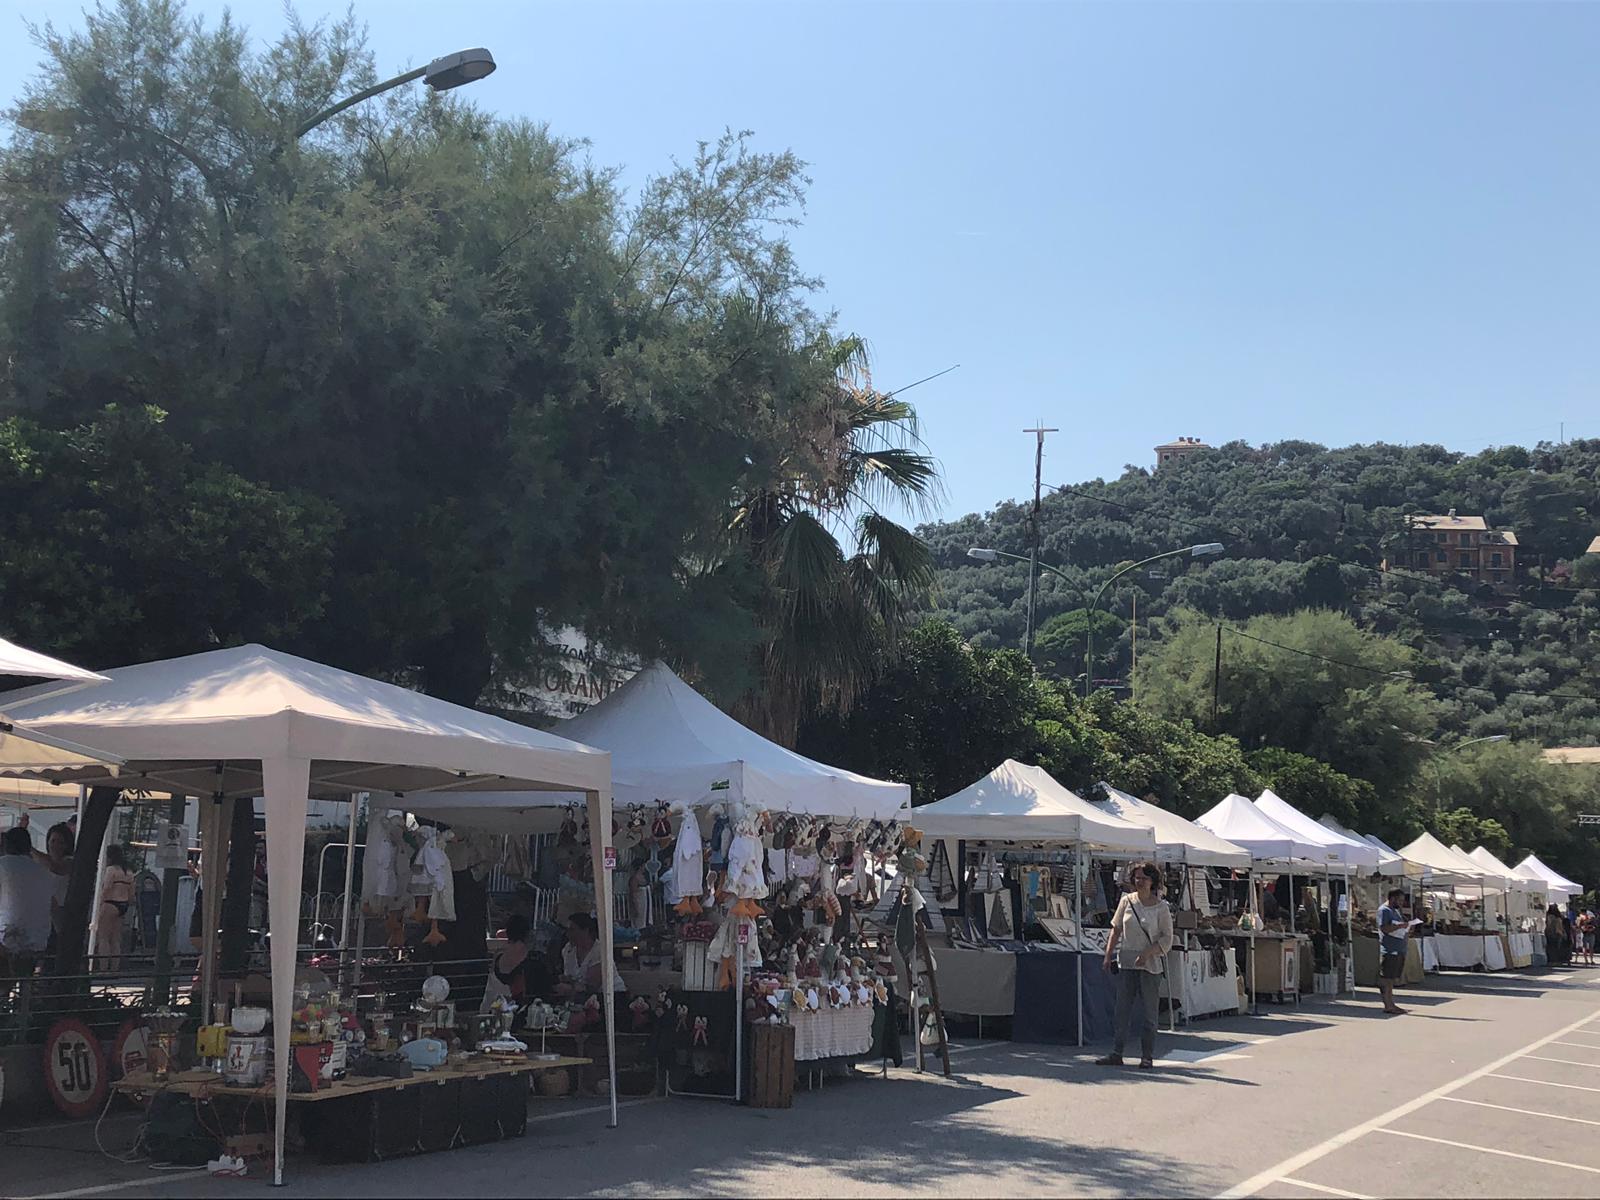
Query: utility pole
point(1033, 548)
point(1216, 680)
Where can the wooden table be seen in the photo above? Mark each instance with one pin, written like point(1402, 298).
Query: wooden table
point(209, 1083)
point(459, 1104)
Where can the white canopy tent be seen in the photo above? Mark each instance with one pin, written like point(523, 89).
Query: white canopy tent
point(1177, 840)
point(1016, 802)
point(669, 742)
point(1338, 849)
point(1239, 821)
point(253, 722)
point(26, 751)
point(1446, 867)
point(1557, 885)
point(1389, 863)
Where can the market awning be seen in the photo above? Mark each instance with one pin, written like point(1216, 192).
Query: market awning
point(1447, 868)
point(668, 742)
point(19, 660)
point(250, 721)
point(1556, 884)
point(1177, 839)
point(1238, 820)
point(1338, 849)
point(1017, 802)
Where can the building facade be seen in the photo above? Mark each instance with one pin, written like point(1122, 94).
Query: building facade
point(1458, 545)
point(1171, 451)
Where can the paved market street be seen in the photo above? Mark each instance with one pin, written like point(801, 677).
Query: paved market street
point(1489, 1087)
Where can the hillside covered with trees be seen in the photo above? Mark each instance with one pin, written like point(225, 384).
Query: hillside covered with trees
point(1308, 527)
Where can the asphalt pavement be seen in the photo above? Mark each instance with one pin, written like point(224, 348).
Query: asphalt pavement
point(1489, 1086)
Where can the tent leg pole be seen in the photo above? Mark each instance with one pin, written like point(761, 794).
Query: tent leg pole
point(349, 882)
point(1080, 878)
point(738, 1015)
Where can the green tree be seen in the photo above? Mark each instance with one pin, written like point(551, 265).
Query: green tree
point(1317, 790)
point(1061, 642)
point(1313, 683)
point(1464, 828)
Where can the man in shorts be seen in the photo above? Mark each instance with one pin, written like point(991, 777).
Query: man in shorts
point(1392, 931)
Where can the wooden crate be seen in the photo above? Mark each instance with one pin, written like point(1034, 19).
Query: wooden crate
point(771, 1066)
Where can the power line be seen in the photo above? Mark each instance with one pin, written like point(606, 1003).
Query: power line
point(1141, 508)
point(1237, 632)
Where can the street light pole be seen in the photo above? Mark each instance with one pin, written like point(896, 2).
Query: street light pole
point(1438, 771)
point(442, 74)
point(1203, 550)
point(984, 554)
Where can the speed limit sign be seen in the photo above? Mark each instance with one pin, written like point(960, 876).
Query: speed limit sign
point(74, 1068)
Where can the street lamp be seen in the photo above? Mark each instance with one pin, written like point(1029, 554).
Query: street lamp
point(1203, 550)
point(1438, 772)
point(983, 554)
point(442, 74)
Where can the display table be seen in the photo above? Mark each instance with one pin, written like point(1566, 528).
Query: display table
point(368, 1120)
point(833, 1032)
point(1521, 949)
point(1275, 963)
point(1200, 992)
point(977, 983)
point(1464, 951)
point(1367, 959)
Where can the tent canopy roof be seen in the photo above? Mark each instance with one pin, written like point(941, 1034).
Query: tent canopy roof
point(1493, 867)
point(668, 742)
point(1448, 866)
point(1555, 881)
point(1389, 863)
point(201, 724)
point(18, 660)
point(1239, 821)
point(1017, 802)
point(1177, 839)
point(1337, 848)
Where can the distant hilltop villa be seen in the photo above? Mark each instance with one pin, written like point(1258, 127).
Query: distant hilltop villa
point(1172, 451)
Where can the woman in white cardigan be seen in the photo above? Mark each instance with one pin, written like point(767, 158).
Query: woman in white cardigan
point(1141, 936)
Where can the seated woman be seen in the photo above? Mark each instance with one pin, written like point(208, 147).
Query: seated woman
point(582, 966)
point(515, 974)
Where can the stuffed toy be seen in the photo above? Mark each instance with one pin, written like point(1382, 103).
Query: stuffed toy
point(640, 1009)
point(683, 1018)
point(747, 879)
point(688, 867)
point(700, 1026)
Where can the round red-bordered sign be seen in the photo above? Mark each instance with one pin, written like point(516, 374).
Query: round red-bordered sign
point(75, 1068)
point(131, 1051)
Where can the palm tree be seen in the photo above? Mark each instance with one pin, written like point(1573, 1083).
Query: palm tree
point(841, 578)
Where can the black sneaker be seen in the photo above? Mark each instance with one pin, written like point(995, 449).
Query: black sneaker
point(1110, 1060)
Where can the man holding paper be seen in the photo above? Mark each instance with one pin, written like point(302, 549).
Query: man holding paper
point(1392, 931)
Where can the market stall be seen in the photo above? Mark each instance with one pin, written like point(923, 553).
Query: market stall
point(744, 868)
point(1023, 851)
point(1451, 940)
point(1368, 894)
point(1521, 915)
point(253, 722)
point(1558, 887)
point(1278, 947)
point(1203, 977)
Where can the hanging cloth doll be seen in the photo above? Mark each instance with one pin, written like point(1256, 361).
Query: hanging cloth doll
point(688, 868)
point(382, 886)
point(432, 878)
point(747, 877)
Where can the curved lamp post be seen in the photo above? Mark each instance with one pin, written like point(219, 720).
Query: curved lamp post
point(983, 554)
point(1203, 550)
point(442, 74)
point(1438, 772)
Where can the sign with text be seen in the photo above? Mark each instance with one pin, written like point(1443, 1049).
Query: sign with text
point(172, 847)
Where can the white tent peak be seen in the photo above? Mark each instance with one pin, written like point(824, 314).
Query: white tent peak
point(1448, 866)
point(19, 660)
point(1337, 848)
point(1177, 839)
point(1020, 802)
point(1532, 868)
point(252, 702)
point(1240, 821)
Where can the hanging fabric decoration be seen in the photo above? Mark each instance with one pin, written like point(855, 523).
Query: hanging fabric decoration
point(432, 873)
point(688, 868)
point(383, 885)
point(747, 879)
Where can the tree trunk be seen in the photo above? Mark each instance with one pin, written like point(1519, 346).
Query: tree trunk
point(73, 942)
point(236, 894)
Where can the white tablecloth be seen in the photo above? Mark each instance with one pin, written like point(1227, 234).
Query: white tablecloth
point(832, 1032)
point(1521, 949)
point(1463, 951)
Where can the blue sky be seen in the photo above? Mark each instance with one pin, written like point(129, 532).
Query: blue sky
point(1343, 222)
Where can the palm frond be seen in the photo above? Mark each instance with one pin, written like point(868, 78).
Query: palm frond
point(896, 552)
point(808, 566)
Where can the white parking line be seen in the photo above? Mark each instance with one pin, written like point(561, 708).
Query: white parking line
point(151, 1180)
point(1549, 1162)
point(1527, 1112)
point(1566, 1062)
point(1324, 1189)
point(1574, 1087)
point(1579, 1046)
point(1294, 1163)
